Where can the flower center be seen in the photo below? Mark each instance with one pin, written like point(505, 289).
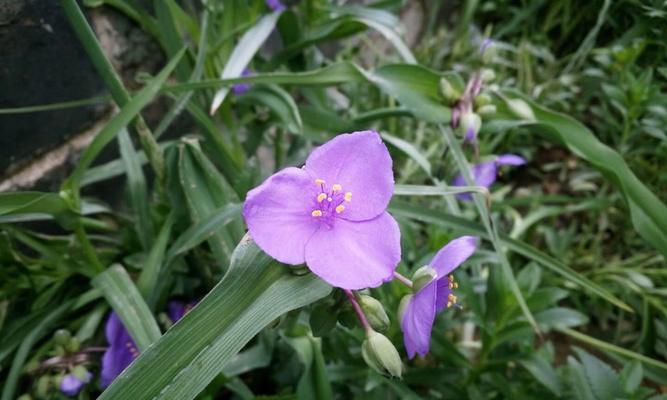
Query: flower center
point(329, 202)
point(451, 299)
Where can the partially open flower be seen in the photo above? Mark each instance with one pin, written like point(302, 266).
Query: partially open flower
point(72, 383)
point(418, 311)
point(485, 173)
point(331, 214)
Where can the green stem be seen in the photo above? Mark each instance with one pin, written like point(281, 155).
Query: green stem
point(88, 249)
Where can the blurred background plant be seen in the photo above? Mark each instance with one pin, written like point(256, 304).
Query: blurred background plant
point(581, 267)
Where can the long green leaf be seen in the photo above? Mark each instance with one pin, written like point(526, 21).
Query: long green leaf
point(125, 299)
point(647, 212)
point(244, 51)
point(255, 291)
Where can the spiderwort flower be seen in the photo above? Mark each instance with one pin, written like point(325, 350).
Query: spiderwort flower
point(434, 296)
point(240, 88)
point(121, 352)
point(485, 173)
point(71, 384)
point(275, 5)
point(331, 214)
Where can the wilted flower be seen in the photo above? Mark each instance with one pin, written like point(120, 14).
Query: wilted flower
point(240, 88)
point(419, 314)
point(485, 173)
point(275, 5)
point(72, 384)
point(331, 214)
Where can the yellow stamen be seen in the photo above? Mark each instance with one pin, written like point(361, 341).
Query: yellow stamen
point(451, 298)
point(348, 196)
point(449, 304)
point(336, 187)
point(321, 197)
point(340, 209)
point(316, 213)
point(319, 181)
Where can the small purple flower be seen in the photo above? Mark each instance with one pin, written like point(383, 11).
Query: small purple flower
point(240, 88)
point(176, 310)
point(309, 214)
point(275, 5)
point(485, 173)
point(71, 384)
point(419, 315)
point(485, 44)
point(121, 351)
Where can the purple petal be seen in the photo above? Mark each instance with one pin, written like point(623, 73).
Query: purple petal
point(360, 162)
point(71, 385)
point(278, 214)
point(121, 351)
point(453, 255)
point(484, 174)
point(470, 135)
point(175, 310)
point(240, 88)
point(510, 159)
point(275, 5)
point(355, 255)
point(442, 296)
point(417, 322)
point(485, 44)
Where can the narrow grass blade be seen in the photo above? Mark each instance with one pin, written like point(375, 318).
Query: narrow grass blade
point(153, 265)
point(125, 299)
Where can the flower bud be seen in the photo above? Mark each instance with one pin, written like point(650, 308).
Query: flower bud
point(402, 306)
point(488, 49)
point(43, 386)
point(24, 396)
point(448, 91)
point(381, 355)
point(488, 75)
point(486, 110)
point(62, 337)
point(482, 99)
point(375, 313)
point(470, 124)
point(422, 277)
point(81, 372)
point(520, 109)
point(73, 345)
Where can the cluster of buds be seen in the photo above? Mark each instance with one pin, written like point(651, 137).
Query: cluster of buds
point(65, 370)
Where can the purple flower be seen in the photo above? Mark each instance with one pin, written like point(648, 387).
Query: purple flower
point(485, 173)
point(176, 310)
point(121, 351)
point(417, 320)
point(331, 213)
point(275, 5)
point(240, 88)
point(71, 384)
point(486, 43)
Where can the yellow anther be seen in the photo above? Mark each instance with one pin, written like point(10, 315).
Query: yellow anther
point(319, 181)
point(348, 196)
point(336, 187)
point(316, 213)
point(451, 298)
point(321, 197)
point(340, 208)
point(449, 304)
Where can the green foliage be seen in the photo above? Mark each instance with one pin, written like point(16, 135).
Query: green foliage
point(564, 299)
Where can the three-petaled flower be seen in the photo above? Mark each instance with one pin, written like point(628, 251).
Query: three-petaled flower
point(331, 214)
point(485, 173)
point(434, 296)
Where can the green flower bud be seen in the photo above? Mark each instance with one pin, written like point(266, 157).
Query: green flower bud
point(470, 122)
point(73, 345)
point(375, 313)
point(422, 277)
point(32, 366)
point(402, 306)
point(488, 51)
point(81, 372)
point(486, 110)
point(43, 386)
point(448, 91)
point(488, 75)
point(482, 99)
point(62, 336)
point(520, 109)
point(24, 396)
point(381, 355)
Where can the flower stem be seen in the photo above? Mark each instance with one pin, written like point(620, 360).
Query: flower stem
point(407, 282)
point(358, 310)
